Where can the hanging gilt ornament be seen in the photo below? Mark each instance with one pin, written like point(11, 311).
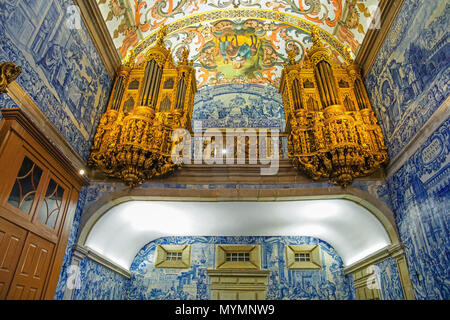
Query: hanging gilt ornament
point(333, 132)
point(149, 101)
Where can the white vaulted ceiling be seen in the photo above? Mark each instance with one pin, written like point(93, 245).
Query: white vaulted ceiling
point(351, 229)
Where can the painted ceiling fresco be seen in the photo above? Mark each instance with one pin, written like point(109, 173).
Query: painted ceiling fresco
point(239, 41)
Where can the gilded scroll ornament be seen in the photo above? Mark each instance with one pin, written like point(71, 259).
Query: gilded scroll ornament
point(333, 132)
point(9, 72)
point(148, 101)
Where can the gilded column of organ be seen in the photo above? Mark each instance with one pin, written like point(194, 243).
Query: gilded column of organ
point(333, 132)
point(148, 101)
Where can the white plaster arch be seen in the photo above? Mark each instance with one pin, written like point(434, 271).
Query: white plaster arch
point(353, 226)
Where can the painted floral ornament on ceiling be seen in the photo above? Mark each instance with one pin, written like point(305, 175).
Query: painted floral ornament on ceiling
point(238, 51)
point(130, 22)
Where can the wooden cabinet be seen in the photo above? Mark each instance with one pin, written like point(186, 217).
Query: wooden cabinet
point(12, 239)
point(39, 189)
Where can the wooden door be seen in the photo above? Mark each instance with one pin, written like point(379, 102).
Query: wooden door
point(38, 196)
point(31, 271)
point(12, 239)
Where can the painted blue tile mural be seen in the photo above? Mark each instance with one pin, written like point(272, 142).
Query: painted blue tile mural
point(148, 283)
point(61, 69)
point(420, 193)
point(100, 283)
point(239, 106)
point(410, 78)
point(389, 280)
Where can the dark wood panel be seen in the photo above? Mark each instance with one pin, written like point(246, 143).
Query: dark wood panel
point(32, 270)
point(12, 238)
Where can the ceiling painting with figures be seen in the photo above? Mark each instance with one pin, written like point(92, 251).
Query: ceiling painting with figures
point(238, 41)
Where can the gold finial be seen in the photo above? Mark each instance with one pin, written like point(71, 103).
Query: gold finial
point(162, 33)
point(129, 58)
point(315, 36)
point(291, 54)
point(348, 54)
point(185, 55)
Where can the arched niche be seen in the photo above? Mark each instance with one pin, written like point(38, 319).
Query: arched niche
point(119, 224)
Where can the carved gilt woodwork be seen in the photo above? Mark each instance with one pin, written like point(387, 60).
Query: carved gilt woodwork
point(333, 132)
point(148, 101)
point(9, 71)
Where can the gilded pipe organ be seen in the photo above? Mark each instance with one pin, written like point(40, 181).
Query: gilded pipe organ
point(148, 101)
point(332, 130)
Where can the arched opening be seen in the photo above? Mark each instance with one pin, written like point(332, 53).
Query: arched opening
point(119, 231)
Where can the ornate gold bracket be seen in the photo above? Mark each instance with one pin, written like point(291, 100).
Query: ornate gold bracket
point(9, 72)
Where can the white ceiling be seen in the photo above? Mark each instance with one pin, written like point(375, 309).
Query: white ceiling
point(351, 229)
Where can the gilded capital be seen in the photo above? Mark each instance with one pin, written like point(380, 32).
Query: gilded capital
point(9, 71)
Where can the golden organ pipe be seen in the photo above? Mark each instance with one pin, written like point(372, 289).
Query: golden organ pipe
point(359, 94)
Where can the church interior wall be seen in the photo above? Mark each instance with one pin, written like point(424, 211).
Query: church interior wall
point(409, 79)
point(407, 85)
point(63, 73)
point(61, 68)
point(420, 192)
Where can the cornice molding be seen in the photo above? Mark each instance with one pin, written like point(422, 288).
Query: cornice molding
point(81, 252)
point(232, 174)
point(374, 40)
point(31, 115)
point(392, 251)
point(98, 31)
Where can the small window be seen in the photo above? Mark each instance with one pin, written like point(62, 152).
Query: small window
point(52, 204)
point(302, 257)
point(238, 256)
point(171, 256)
point(25, 187)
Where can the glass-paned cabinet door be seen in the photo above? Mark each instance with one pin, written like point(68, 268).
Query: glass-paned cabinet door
point(52, 204)
point(24, 191)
